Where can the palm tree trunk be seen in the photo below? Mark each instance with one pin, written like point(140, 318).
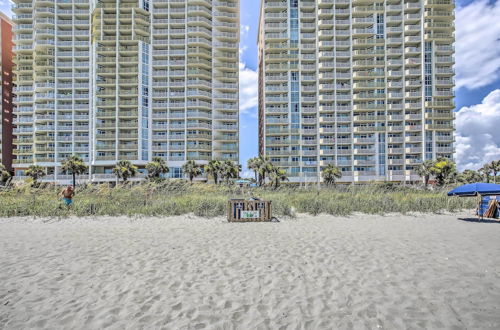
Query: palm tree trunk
point(74, 180)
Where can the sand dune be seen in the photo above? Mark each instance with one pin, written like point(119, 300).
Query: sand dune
point(361, 272)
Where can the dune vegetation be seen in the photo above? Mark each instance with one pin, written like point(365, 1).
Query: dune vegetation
point(177, 197)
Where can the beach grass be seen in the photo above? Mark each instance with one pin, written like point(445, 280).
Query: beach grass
point(178, 197)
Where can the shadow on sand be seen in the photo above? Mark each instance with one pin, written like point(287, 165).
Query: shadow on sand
point(479, 221)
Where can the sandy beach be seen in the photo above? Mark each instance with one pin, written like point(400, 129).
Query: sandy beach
point(359, 272)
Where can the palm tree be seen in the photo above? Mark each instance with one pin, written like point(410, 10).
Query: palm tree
point(265, 168)
point(443, 169)
point(276, 176)
point(485, 172)
point(425, 171)
point(452, 178)
point(156, 168)
point(254, 165)
point(237, 168)
point(214, 168)
point(4, 174)
point(495, 168)
point(75, 166)
point(230, 170)
point(469, 176)
point(36, 172)
point(191, 169)
point(330, 174)
point(125, 170)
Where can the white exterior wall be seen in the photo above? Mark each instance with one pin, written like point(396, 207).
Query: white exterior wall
point(361, 89)
point(192, 84)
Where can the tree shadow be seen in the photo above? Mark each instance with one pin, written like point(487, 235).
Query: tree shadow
point(480, 221)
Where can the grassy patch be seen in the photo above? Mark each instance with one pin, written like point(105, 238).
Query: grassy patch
point(171, 198)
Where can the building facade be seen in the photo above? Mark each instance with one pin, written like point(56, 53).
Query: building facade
point(6, 114)
point(364, 85)
point(114, 80)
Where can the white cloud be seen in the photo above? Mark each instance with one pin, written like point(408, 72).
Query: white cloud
point(242, 50)
point(477, 44)
point(249, 81)
point(6, 7)
point(478, 133)
point(244, 29)
point(249, 91)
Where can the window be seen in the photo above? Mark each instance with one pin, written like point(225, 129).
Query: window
point(175, 173)
point(380, 26)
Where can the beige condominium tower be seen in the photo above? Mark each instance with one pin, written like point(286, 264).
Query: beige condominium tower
point(364, 85)
point(114, 80)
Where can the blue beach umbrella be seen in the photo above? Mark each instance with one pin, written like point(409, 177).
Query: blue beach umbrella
point(475, 189)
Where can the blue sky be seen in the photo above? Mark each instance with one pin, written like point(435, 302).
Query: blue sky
point(478, 80)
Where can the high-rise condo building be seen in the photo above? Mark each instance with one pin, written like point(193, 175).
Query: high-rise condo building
point(114, 80)
point(364, 85)
point(6, 115)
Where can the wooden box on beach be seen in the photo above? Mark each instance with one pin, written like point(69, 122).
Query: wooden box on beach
point(252, 210)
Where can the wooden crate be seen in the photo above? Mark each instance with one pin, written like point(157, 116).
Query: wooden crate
point(242, 210)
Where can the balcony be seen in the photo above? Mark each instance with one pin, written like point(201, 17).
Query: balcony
point(438, 127)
